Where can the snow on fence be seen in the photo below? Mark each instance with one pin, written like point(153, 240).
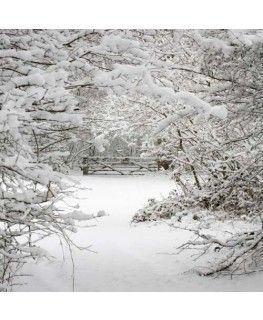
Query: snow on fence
point(122, 165)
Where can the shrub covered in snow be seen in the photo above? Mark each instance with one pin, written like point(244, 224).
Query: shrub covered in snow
point(37, 122)
point(218, 161)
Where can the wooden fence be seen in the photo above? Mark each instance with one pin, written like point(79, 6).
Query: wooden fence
point(119, 165)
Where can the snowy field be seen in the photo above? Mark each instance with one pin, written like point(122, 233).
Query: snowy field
point(128, 257)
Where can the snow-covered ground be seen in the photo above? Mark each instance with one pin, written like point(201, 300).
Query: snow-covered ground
point(127, 258)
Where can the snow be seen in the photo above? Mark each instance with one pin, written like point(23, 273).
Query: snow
point(194, 106)
point(245, 37)
point(126, 257)
point(219, 111)
point(215, 43)
point(100, 142)
point(118, 45)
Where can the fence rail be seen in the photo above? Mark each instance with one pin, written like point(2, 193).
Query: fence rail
point(121, 165)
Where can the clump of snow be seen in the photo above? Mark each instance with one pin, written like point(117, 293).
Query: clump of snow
point(36, 251)
point(78, 215)
point(195, 103)
point(219, 111)
point(247, 37)
point(100, 142)
point(117, 44)
point(215, 43)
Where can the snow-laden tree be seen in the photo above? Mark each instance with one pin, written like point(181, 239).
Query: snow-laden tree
point(218, 160)
point(200, 92)
point(199, 95)
point(38, 116)
point(193, 97)
point(137, 70)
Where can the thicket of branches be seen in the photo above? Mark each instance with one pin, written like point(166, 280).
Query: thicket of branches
point(39, 118)
point(194, 97)
point(218, 163)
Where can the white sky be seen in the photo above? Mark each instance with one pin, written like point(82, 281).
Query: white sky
point(131, 14)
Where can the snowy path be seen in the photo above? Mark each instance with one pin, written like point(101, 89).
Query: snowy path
point(127, 257)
